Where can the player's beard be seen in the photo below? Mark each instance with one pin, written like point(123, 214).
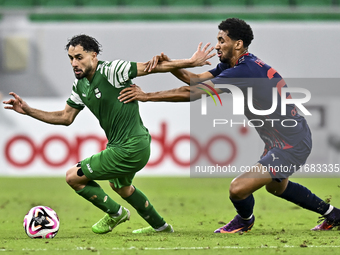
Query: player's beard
point(226, 58)
point(85, 73)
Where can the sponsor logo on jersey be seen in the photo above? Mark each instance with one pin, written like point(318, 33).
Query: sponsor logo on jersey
point(98, 93)
point(90, 169)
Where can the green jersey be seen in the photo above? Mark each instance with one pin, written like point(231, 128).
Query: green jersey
point(120, 121)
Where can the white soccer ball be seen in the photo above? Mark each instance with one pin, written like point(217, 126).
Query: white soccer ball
point(41, 222)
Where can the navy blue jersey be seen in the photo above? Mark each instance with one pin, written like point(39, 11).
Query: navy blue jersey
point(250, 71)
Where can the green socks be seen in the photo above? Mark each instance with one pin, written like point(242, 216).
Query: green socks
point(145, 209)
point(96, 195)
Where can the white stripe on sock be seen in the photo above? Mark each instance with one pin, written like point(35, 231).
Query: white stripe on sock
point(120, 211)
point(329, 210)
point(251, 216)
point(162, 227)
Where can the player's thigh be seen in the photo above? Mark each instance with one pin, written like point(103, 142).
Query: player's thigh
point(115, 162)
point(248, 182)
point(120, 182)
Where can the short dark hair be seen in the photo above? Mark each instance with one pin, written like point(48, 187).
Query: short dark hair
point(89, 43)
point(237, 30)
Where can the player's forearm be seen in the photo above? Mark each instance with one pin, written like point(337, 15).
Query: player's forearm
point(55, 118)
point(181, 94)
point(192, 78)
point(169, 66)
point(184, 75)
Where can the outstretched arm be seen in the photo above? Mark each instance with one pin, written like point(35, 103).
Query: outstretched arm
point(199, 58)
point(182, 74)
point(64, 117)
point(182, 94)
point(134, 92)
point(191, 78)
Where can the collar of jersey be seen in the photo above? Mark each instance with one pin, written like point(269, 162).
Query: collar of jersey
point(245, 54)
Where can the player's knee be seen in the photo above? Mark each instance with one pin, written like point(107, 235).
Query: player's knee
point(68, 177)
point(71, 179)
point(236, 190)
point(125, 191)
point(270, 189)
point(277, 188)
point(274, 191)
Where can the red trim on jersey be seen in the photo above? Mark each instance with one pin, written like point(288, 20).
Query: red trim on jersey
point(287, 146)
point(245, 54)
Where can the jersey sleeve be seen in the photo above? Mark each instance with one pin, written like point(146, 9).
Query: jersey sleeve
point(74, 100)
point(118, 72)
point(218, 69)
point(238, 76)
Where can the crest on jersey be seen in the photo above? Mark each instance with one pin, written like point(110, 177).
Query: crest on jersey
point(98, 93)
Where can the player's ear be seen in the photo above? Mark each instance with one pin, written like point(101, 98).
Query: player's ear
point(94, 54)
point(238, 44)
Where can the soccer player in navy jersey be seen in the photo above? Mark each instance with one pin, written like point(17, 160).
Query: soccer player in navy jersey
point(283, 146)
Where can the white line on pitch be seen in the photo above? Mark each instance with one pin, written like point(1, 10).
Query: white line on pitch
point(179, 248)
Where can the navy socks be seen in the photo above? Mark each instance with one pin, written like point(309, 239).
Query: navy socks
point(244, 207)
point(294, 193)
point(303, 197)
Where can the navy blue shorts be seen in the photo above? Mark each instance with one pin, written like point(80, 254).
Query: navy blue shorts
point(283, 163)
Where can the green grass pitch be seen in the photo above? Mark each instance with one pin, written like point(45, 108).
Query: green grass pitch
point(195, 208)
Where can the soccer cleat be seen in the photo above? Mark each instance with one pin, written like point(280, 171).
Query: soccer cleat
point(108, 223)
point(237, 225)
point(148, 230)
point(329, 221)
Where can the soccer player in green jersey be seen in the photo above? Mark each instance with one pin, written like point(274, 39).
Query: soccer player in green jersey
point(97, 86)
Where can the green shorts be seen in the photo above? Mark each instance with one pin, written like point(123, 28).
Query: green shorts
point(118, 163)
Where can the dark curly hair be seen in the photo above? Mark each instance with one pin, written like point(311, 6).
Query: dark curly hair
point(237, 30)
point(89, 43)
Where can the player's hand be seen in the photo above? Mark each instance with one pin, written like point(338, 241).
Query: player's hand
point(151, 64)
point(201, 56)
point(16, 104)
point(132, 93)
